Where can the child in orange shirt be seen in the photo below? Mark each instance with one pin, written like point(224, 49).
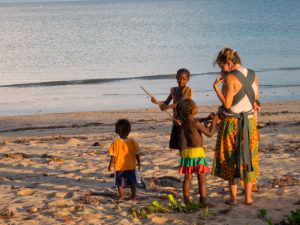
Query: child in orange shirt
point(124, 153)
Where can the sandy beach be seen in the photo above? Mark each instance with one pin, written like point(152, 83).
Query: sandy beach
point(54, 170)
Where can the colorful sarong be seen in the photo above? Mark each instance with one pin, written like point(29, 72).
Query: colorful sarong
point(193, 160)
point(225, 159)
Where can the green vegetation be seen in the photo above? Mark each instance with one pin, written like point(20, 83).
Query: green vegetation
point(262, 213)
point(294, 218)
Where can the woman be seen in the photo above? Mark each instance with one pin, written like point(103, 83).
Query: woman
point(236, 156)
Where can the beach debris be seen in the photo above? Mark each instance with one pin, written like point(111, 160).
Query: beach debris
point(272, 124)
point(55, 160)
point(32, 210)
point(297, 203)
point(283, 182)
point(15, 156)
point(87, 200)
point(7, 214)
point(21, 141)
point(46, 156)
point(3, 143)
point(98, 143)
point(165, 181)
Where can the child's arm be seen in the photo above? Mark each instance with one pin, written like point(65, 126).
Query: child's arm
point(209, 117)
point(186, 95)
point(203, 130)
point(165, 105)
point(137, 156)
point(112, 161)
point(166, 102)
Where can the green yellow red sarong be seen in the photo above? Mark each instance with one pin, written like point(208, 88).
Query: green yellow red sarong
point(193, 160)
point(225, 160)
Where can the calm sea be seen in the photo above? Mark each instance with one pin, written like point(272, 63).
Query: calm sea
point(94, 55)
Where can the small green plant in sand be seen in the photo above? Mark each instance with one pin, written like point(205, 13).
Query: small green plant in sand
point(294, 218)
point(143, 214)
point(262, 213)
point(174, 205)
point(119, 207)
point(133, 212)
point(194, 206)
point(155, 206)
point(205, 213)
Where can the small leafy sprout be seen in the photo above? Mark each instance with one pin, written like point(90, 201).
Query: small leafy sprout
point(174, 203)
point(151, 208)
point(133, 212)
point(159, 207)
point(269, 221)
point(262, 213)
point(193, 205)
point(204, 214)
point(143, 214)
point(119, 207)
point(294, 218)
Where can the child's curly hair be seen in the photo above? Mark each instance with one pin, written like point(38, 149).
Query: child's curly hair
point(122, 126)
point(183, 71)
point(184, 108)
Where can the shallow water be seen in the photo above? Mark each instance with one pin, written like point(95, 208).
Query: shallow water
point(89, 49)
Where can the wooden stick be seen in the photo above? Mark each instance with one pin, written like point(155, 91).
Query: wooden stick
point(157, 104)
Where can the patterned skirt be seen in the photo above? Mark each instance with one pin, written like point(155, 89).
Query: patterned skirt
point(225, 160)
point(193, 160)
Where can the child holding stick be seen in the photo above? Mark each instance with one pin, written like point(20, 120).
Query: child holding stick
point(192, 154)
point(176, 94)
point(124, 153)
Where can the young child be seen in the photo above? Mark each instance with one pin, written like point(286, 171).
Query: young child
point(124, 153)
point(176, 94)
point(193, 158)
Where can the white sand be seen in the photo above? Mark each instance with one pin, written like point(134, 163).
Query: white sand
point(50, 173)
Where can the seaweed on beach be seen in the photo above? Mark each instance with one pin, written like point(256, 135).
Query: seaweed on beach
point(283, 182)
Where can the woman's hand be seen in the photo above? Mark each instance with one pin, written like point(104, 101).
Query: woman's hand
point(218, 81)
point(256, 106)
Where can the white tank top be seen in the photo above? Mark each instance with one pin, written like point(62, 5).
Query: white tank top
point(244, 105)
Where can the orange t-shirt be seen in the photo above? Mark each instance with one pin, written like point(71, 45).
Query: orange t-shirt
point(124, 150)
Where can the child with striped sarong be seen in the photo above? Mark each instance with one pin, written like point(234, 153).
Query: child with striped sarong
point(193, 158)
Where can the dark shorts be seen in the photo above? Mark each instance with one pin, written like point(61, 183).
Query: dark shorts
point(125, 177)
point(175, 139)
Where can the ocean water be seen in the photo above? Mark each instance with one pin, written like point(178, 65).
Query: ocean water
point(69, 56)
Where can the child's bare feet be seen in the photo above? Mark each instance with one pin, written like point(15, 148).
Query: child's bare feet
point(231, 202)
point(249, 201)
point(119, 199)
point(207, 205)
point(202, 201)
